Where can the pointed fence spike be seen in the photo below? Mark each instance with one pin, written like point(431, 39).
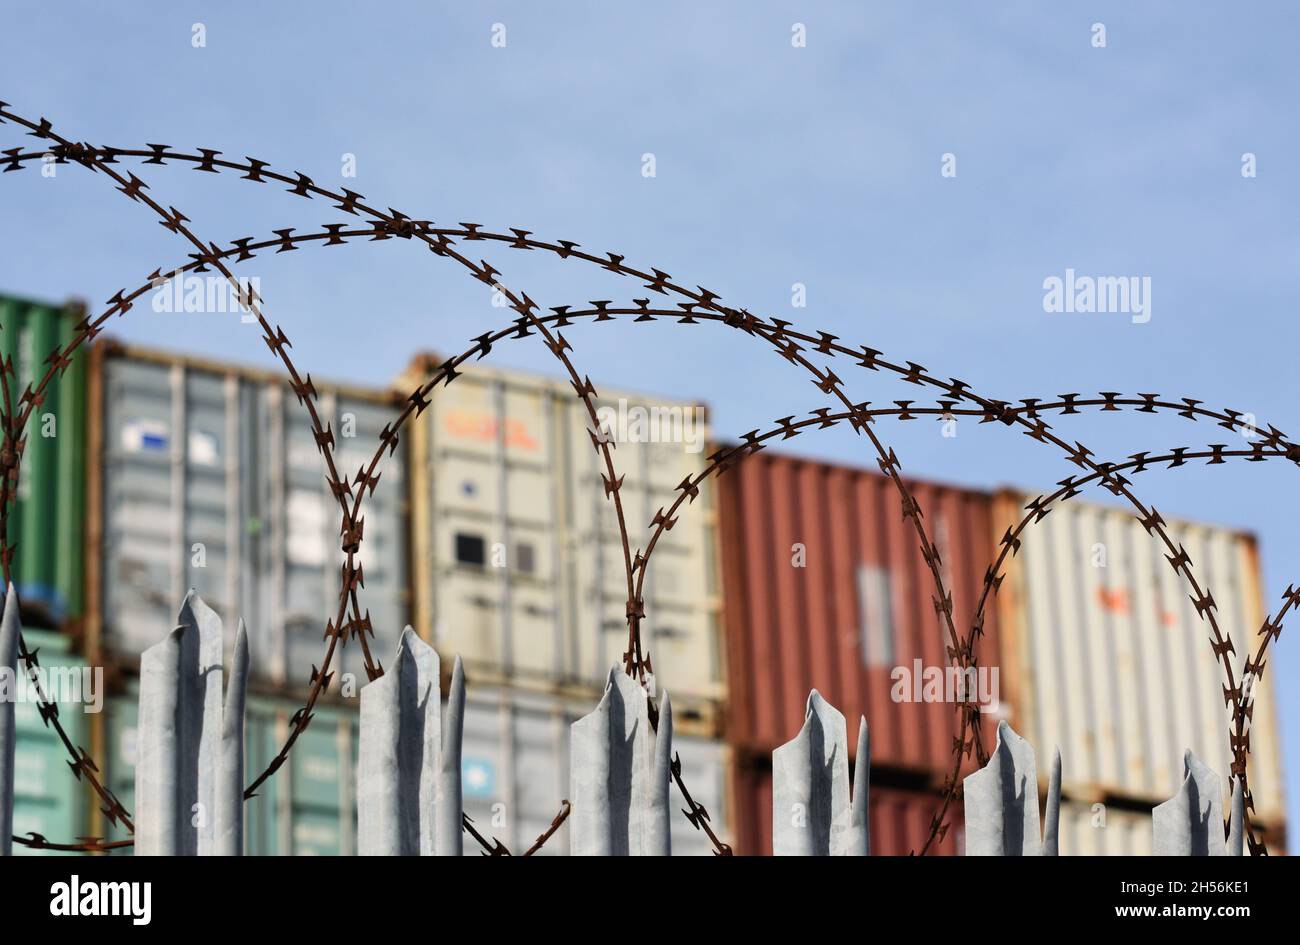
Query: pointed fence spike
point(659, 836)
point(1191, 822)
point(10, 628)
point(1237, 823)
point(230, 784)
point(183, 739)
point(399, 768)
point(450, 837)
point(1052, 820)
point(1001, 801)
point(811, 799)
point(616, 760)
point(858, 838)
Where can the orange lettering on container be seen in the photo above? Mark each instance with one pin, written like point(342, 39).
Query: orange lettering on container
point(1114, 600)
point(483, 428)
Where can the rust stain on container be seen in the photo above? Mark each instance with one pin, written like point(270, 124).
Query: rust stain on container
point(825, 588)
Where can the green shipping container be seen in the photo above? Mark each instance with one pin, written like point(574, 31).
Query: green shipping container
point(301, 810)
point(48, 799)
point(47, 525)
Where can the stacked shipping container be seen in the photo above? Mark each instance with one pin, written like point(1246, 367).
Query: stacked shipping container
point(491, 533)
point(1097, 647)
point(825, 588)
point(517, 568)
point(516, 553)
point(206, 475)
point(1105, 656)
point(47, 524)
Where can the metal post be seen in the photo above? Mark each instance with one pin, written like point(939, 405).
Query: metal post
point(189, 776)
point(814, 811)
point(1191, 822)
point(408, 768)
point(9, 631)
point(1052, 822)
point(619, 774)
point(1002, 801)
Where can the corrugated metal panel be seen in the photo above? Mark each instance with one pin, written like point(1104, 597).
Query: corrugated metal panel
point(47, 799)
point(308, 808)
point(900, 817)
point(515, 765)
point(516, 770)
point(1108, 659)
point(826, 588)
point(47, 524)
point(518, 565)
point(208, 476)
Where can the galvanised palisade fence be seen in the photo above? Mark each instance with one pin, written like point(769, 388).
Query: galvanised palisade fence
point(191, 751)
point(808, 350)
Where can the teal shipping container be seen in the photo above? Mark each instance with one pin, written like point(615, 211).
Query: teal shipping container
point(306, 809)
point(47, 525)
point(48, 799)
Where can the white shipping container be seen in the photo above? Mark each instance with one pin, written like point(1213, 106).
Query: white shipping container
point(208, 476)
point(1105, 656)
point(516, 557)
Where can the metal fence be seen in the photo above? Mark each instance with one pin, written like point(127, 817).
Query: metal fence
point(189, 777)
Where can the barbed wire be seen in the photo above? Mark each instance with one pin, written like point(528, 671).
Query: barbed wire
point(778, 334)
point(353, 526)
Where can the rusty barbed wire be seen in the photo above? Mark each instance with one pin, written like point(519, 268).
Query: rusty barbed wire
point(352, 527)
point(174, 221)
point(565, 809)
point(914, 373)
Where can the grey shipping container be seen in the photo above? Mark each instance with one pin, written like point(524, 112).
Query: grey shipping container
point(208, 476)
point(515, 772)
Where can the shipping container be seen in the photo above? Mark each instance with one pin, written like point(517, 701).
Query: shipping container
point(47, 525)
point(826, 589)
point(899, 816)
point(514, 764)
point(515, 767)
point(516, 559)
point(48, 799)
point(1105, 656)
point(208, 476)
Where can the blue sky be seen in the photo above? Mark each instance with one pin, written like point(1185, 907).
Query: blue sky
point(774, 165)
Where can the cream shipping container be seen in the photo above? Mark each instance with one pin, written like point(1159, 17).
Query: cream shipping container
point(517, 565)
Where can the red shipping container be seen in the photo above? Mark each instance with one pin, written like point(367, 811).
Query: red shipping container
point(825, 587)
point(899, 817)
